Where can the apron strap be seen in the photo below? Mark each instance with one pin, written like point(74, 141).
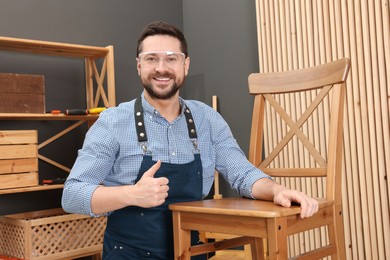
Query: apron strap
point(190, 123)
point(139, 121)
point(140, 125)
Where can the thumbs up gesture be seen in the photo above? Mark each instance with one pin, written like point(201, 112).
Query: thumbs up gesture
point(151, 191)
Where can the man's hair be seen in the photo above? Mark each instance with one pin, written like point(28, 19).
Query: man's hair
point(162, 28)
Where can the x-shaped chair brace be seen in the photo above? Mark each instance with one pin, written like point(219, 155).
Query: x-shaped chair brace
point(295, 128)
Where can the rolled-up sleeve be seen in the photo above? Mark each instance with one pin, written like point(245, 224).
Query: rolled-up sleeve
point(94, 162)
point(231, 161)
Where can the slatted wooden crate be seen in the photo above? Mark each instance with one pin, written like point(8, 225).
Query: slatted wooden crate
point(50, 234)
point(18, 158)
point(22, 93)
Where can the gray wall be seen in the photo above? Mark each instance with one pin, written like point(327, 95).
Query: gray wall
point(222, 42)
point(223, 49)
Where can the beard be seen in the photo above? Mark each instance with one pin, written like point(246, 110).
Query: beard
point(168, 93)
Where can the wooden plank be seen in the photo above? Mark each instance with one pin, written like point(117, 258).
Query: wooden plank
point(110, 77)
point(8, 181)
point(18, 165)
point(382, 35)
point(344, 50)
point(32, 188)
point(51, 48)
point(22, 83)
point(18, 151)
point(22, 93)
point(365, 77)
point(374, 109)
point(18, 137)
point(358, 241)
point(22, 103)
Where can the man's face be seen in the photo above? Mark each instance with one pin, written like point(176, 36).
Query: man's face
point(161, 66)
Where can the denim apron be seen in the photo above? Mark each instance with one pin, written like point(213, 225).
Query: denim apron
point(135, 233)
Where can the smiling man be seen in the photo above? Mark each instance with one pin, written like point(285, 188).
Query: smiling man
point(160, 149)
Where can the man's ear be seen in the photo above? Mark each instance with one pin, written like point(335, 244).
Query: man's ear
point(138, 67)
point(186, 65)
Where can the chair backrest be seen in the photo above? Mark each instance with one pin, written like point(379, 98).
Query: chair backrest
point(297, 124)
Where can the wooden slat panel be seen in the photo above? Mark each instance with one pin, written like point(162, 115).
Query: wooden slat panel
point(302, 33)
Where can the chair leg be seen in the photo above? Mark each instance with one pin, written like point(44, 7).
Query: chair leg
point(336, 233)
point(277, 238)
point(248, 252)
point(257, 250)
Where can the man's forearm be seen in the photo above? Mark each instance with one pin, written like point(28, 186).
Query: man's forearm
point(106, 199)
point(266, 189)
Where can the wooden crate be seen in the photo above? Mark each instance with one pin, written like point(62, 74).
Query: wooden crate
point(18, 158)
point(51, 234)
point(22, 93)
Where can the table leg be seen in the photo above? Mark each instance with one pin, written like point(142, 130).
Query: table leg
point(182, 239)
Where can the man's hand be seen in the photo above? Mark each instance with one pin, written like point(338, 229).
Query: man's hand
point(266, 189)
point(309, 206)
point(150, 191)
point(147, 192)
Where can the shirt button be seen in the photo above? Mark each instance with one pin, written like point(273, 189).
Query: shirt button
point(142, 214)
point(173, 153)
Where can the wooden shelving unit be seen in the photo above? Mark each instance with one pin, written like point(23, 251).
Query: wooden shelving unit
point(96, 91)
point(99, 87)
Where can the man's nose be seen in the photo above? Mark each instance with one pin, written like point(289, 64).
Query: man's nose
point(161, 64)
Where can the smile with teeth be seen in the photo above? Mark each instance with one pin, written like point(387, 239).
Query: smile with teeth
point(162, 79)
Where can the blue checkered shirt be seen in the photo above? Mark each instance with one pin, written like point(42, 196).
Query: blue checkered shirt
point(111, 154)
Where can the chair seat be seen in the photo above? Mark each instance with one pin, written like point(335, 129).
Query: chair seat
point(242, 207)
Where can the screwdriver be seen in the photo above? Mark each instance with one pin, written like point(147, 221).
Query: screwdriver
point(76, 111)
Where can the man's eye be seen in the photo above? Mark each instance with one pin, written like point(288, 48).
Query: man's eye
point(150, 59)
point(172, 59)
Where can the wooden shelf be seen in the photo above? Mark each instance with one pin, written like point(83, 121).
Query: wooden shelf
point(33, 188)
point(52, 48)
point(47, 116)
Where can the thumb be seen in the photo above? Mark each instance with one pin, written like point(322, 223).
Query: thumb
point(152, 170)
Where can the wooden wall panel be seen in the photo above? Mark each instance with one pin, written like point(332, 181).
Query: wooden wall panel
point(294, 34)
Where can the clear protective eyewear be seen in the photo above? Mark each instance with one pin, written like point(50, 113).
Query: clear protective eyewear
point(170, 59)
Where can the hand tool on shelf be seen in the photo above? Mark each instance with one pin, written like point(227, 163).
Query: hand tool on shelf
point(79, 111)
point(95, 110)
point(53, 181)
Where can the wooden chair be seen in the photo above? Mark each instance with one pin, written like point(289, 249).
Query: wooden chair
point(254, 220)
